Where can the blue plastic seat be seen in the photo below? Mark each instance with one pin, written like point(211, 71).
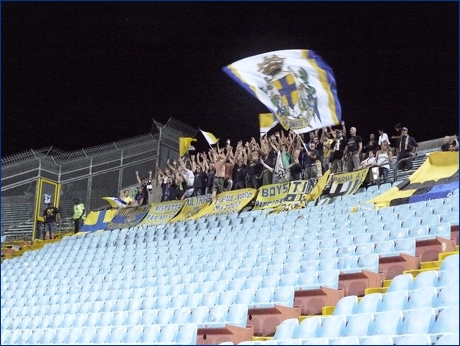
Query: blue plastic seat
point(393, 301)
point(401, 282)
point(282, 296)
point(451, 217)
point(450, 262)
point(44, 336)
point(346, 305)
point(386, 323)
point(244, 296)
point(226, 298)
point(199, 315)
point(369, 262)
point(307, 280)
point(288, 279)
point(448, 296)
point(149, 335)
point(345, 340)
point(358, 325)
point(146, 335)
point(417, 339)
point(385, 248)
point(270, 281)
point(344, 240)
point(164, 316)
point(362, 238)
point(286, 329)
point(308, 328)
point(287, 268)
point(332, 327)
point(425, 279)
point(405, 246)
point(419, 321)
point(422, 298)
point(448, 278)
point(393, 225)
point(364, 249)
point(348, 264)
point(167, 334)
point(447, 322)
point(186, 335)
point(449, 339)
point(378, 340)
point(237, 315)
point(327, 264)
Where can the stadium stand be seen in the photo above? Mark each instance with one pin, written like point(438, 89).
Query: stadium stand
point(344, 277)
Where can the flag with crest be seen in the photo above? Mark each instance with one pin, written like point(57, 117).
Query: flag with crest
point(296, 85)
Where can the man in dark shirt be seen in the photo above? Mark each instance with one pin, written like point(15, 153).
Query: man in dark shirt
point(337, 147)
point(311, 169)
point(239, 174)
point(170, 190)
point(210, 178)
point(51, 216)
point(199, 184)
point(353, 148)
point(267, 175)
point(371, 145)
point(254, 171)
point(142, 197)
point(407, 149)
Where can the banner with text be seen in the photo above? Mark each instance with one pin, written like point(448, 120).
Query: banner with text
point(128, 217)
point(162, 212)
point(345, 184)
point(297, 196)
point(228, 202)
point(192, 206)
point(271, 196)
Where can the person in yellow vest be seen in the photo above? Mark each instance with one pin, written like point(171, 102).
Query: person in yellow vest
point(78, 214)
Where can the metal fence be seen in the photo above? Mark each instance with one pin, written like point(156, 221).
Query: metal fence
point(88, 174)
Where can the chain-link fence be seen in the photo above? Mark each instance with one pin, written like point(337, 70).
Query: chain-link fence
point(87, 174)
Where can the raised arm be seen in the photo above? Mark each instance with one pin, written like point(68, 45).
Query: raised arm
point(137, 177)
point(193, 163)
point(344, 129)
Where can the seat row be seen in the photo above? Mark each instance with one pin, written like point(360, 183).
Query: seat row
point(193, 293)
point(203, 316)
point(148, 335)
point(386, 328)
point(262, 297)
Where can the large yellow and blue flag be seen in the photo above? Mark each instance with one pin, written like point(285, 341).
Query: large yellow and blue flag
point(296, 85)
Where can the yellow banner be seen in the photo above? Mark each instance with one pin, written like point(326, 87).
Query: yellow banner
point(298, 195)
point(345, 184)
point(439, 165)
point(162, 212)
point(192, 206)
point(271, 196)
point(228, 202)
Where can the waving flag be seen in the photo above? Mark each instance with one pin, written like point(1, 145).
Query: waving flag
point(296, 85)
point(210, 137)
point(266, 122)
point(184, 144)
point(115, 202)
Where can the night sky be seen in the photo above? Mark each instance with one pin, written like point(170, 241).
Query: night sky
point(80, 74)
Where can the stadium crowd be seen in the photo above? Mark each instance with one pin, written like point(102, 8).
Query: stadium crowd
point(282, 157)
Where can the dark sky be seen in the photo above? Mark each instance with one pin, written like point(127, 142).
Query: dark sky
point(80, 74)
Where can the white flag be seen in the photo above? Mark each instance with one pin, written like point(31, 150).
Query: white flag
point(210, 137)
point(296, 85)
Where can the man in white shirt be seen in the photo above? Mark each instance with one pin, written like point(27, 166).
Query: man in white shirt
point(189, 180)
point(383, 137)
